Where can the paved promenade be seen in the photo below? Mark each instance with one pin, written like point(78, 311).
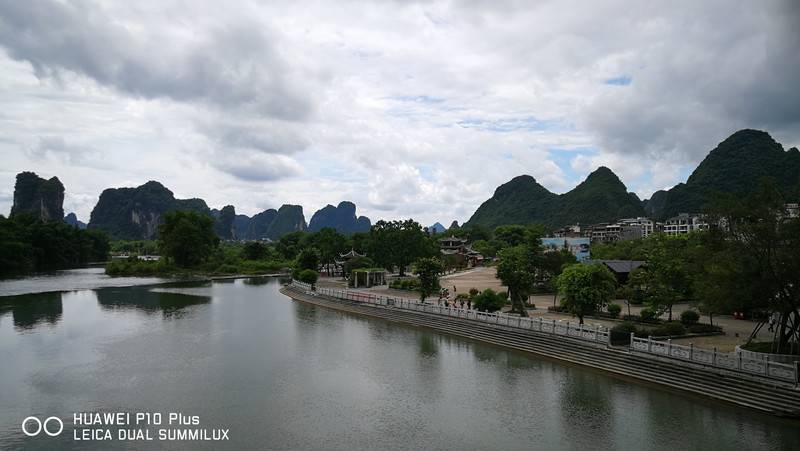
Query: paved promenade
point(736, 331)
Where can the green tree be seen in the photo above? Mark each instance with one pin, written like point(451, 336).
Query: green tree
point(330, 244)
point(488, 301)
point(586, 288)
point(187, 237)
point(428, 270)
point(399, 243)
point(308, 258)
point(254, 250)
point(755, 260)
point(517, 270)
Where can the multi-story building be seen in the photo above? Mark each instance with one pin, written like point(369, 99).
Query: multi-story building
point(685, 223)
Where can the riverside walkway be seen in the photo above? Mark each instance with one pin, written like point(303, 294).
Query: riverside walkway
point(573, 345)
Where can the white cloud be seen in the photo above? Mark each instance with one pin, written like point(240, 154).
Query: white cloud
point(406, 108)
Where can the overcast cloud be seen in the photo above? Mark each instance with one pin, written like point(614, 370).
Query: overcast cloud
point(408, 109)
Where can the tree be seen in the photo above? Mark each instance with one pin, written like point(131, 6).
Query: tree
point(551, 264)
point(357, 263)
point(428, 270)
point(308, 259)
point(755, 260)
point(586, 288)
point(254, 250)
point(330, 244)
point(399, 243)
point(488, 301)
point(517, 270)
point(187, 237)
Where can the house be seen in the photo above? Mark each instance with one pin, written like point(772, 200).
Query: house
point(458, 253)
point(621, 268)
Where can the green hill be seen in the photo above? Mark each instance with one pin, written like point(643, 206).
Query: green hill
point(735, 166)
point(601, 197)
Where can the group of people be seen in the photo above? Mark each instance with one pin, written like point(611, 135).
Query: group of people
point(446, 299)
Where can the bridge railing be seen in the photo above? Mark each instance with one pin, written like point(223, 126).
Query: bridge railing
point(726, 360)
point(596, 334)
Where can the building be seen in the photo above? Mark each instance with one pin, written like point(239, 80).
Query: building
point(793, 210)
point(458, 253)
point(573, 231)
point(621, 268)
point(685, 223)
point(578, 246)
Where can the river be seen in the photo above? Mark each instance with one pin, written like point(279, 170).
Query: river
point(278, 374)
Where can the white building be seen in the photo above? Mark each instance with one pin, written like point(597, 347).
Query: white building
point(685, 223)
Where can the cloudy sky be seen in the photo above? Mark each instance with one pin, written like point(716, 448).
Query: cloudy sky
point(409, 109)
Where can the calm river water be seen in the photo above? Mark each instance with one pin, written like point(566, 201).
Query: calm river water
point(284, 375)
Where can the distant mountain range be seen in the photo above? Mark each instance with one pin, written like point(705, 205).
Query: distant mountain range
point(601, 197)
point(735, 166)
point(72, 220)
point(436, 228)
point(342, 218)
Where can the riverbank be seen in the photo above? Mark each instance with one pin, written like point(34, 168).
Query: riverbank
point(754, 392)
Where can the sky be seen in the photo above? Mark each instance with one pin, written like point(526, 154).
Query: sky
point(409, 109)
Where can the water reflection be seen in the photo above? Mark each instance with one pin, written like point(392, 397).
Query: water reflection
point(29, 311)
point(427, 345)
point(587, 407)
point(257, 281)
point(171, 304)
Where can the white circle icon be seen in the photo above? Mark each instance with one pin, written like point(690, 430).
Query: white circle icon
point(39, 426)
point(25, 430)
point(60, 426)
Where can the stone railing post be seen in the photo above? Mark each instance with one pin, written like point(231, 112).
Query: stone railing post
point(796, 373)
point(649, 343)
point(691, 351)
point(669, 347)
point(739, 361)
point(714, 357)
point(632, 338)
point(540, 324)
point(554, 327)
point(766, 365)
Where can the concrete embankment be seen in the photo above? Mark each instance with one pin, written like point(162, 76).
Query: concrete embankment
point(761, 394)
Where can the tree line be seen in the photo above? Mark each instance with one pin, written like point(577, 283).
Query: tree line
point(28, 244)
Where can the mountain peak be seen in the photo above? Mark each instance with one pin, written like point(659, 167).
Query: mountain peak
point(342, 218)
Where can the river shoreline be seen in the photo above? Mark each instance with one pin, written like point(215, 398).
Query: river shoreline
point(750, 393)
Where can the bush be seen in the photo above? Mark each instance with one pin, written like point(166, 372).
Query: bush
point(614, 310)
point(689, 318)
point(703, 329)
point(621, 333)
point(672, 328)
point(307, 276)
point(489, 301)
point(556, 308)
point(648, 315)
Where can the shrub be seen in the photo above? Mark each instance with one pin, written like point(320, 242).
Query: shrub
point(689, 318)
point(703, 329)
point(307, 276)
point(648, 315)
point(621, 333)
point(672, 328)
point(614, 310)
point(489, 301)
point(556, 308)
point(473, 292)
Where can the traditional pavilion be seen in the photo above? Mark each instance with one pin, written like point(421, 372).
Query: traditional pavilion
point(457, 249)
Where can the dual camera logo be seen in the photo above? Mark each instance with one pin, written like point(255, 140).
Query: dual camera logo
point(33, 426)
